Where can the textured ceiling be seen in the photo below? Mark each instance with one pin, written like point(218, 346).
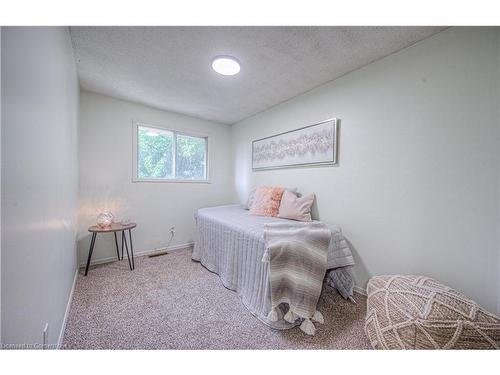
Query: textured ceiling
point(170, 67)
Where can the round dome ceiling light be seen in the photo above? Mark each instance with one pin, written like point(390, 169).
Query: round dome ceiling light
point(226, 65)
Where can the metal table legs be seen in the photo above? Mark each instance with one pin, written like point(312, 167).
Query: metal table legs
point(124, 240)
point(131, 248)
point(92, 243)
point(130, 256)
point(116, 243)
point(125, 246)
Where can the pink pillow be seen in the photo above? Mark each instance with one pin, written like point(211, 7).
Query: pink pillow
point(252, 194)
point(267, 201)
point(295, 208)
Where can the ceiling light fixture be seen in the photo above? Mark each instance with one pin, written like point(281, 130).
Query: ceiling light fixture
point(226, 65)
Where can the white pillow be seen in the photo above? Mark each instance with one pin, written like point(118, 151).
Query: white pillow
point(295, 208)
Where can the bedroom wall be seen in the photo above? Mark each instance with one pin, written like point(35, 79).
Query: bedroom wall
point(105, 155)
point(498, 118)
point(0, 189)
point(39, 181)
point(416, 190)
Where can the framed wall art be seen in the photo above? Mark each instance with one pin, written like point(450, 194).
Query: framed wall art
point(308, 146)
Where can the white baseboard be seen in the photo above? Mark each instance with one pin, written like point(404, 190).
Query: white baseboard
point(66, 313)
point(360, 290)
point(139, 254)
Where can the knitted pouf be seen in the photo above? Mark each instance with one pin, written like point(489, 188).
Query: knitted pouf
point(416, 312)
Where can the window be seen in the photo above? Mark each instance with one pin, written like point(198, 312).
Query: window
point(168, 155)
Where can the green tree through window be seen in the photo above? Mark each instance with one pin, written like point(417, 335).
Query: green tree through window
point(190, 158)
point(156, 157)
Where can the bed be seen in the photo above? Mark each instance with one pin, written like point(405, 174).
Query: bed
point(230, 243)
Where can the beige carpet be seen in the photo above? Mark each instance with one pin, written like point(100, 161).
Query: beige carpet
point(171, 302)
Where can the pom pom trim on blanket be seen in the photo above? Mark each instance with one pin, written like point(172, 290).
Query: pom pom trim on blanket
point(307, 325)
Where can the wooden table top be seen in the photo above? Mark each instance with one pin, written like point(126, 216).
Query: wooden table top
point(115, 227)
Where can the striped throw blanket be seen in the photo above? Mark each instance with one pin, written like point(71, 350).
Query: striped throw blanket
point(297, 256)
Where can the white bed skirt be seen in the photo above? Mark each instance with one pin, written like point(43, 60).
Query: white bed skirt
point(230, 243)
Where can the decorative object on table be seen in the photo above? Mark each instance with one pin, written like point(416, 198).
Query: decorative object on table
point(311, 145)
point(113, 228)
point(105, 219)
point(417, 312)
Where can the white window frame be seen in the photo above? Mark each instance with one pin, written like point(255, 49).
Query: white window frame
point(135, 153)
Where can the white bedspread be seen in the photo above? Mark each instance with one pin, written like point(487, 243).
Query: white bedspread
point(230, 242)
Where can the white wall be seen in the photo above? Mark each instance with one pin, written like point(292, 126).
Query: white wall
point(0, 188)
point(498, 117)
point(105, 158)
point(417, 187)
point(39, 181)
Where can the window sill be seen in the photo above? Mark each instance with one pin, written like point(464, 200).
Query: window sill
point(158, 180)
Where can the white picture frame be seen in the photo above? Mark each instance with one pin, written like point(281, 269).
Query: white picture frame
point(313, 145)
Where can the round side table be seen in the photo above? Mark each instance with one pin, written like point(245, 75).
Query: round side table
point(113, 228)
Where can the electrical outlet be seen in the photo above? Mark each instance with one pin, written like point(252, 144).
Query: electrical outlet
point(45, 335)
